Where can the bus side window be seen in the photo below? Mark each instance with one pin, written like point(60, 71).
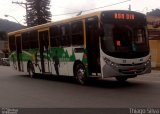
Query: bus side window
point(33, 39)
point(77, 33)
point(65, 40)
point(55, 36)
point(12, 45)
point(25, 40)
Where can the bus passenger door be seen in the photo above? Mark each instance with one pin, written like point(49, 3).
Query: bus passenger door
point(43, 49)
point(92, 45)
point(19, 52)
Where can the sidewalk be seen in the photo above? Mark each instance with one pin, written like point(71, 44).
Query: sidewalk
point(155, 71)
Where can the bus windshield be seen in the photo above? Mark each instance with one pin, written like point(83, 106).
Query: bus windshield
point(124, 39)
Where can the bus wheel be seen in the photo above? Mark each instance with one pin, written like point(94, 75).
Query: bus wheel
point(30, 70)
point(80, 74)
point(121, 79)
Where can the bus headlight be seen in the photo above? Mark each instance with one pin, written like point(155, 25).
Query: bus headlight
point(110, 63)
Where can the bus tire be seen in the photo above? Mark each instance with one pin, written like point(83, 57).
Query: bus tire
point(80, 73)
point(31, 71)
point(121, 79)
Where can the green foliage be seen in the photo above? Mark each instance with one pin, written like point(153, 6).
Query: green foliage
point(38, 12)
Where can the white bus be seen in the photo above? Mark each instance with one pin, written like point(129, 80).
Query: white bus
point(101, 44)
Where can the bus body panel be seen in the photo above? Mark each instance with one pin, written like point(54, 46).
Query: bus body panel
point(62, 60)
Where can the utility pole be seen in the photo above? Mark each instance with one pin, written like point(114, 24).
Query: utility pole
point(24, 5)
point(129, 8)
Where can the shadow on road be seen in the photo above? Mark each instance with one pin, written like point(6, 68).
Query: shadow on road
point(107, 83)
point(114, 84)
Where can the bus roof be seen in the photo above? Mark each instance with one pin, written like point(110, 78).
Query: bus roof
point(47, 25)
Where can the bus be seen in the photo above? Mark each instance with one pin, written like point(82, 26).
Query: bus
point(102, 44)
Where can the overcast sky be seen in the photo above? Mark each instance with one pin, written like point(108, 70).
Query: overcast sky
point(59, 7)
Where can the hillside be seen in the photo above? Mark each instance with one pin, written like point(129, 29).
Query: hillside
point(8, 26)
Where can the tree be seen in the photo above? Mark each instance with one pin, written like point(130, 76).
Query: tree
point(38, 12)
point(155, 13)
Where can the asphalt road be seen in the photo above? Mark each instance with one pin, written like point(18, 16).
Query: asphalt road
point(18, 90)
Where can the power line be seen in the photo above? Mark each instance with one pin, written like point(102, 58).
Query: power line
point(8, 9)
point(65, 14)
point(93, 8)
point(25, 6)
point(20, 3)
point(65, 8)
point(108, 5)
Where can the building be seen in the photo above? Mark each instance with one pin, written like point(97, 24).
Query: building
point(3, 43)
point(154, 39)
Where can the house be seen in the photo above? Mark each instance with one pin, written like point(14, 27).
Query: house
point(3, 43)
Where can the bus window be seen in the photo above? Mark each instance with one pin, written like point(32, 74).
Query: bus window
point(55, 36)
point(25, 40)
point(30, 40)
point(65, 41)
point(33, 39)
point(139, 36)
point(77, 33)
point(12, 45)
point(122, 36)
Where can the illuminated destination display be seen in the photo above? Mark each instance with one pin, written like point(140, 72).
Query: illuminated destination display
point(125, 16)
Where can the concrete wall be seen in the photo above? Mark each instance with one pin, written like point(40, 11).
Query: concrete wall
point(154, 39)
point(154, 52)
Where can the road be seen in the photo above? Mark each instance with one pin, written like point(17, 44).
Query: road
point(18, 90)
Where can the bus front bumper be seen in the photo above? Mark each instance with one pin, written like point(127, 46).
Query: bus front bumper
point(125, 70)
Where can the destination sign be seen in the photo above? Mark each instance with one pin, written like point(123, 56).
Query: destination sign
point(125, 16)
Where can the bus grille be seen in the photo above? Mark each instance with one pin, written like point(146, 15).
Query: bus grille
point(132, 71)
point(131, 64)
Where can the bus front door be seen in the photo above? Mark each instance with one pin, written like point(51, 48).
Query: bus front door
point(43, 49)
point(19, 52)
point(92, 45)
